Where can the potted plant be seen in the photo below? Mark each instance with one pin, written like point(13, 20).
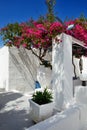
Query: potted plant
point(41, 105)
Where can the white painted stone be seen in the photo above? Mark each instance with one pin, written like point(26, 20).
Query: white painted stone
point(84, 65)
point(62, 71)
point(67, 120)
point(4, 67)
point(84, 70)
point(81, 95)
point(18, 69)
point(76, 63)
point(40, 112)
point(44, 76)
point(83, 77)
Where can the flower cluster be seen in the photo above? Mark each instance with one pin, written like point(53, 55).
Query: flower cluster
point(36, 34)
point(39, 34)
point(79, 31)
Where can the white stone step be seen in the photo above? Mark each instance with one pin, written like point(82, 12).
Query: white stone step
point(84, 126)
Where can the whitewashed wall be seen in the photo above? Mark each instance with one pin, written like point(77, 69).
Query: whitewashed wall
point(62, 71)
point(19, 69)
point(22, 70)
point(84, 71)
point(44, 76)
point(4, 67)
point(76, 63)
point(78, 82)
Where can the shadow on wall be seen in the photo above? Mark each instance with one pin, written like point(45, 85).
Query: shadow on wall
point(22, 70)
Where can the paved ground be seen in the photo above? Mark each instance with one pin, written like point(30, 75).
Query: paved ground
point(14, 111)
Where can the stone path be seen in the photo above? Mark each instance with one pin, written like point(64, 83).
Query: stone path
point(14, 111)
point(84, 127)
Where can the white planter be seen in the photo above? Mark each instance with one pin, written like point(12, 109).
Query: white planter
point(40, 112)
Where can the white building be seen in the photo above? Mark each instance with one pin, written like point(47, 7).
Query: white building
point(17, 69)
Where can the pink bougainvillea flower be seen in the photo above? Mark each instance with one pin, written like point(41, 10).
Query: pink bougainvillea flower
point(24, 45)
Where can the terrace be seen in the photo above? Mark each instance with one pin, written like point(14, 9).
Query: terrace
point(70, 96)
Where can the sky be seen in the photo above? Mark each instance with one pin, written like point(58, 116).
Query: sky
point(12, 11)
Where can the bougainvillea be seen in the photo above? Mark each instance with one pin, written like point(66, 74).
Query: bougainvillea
point(39, 34)
point(79, 31)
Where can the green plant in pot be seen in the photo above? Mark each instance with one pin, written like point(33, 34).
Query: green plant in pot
point(42, 97)
point(41, 105)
